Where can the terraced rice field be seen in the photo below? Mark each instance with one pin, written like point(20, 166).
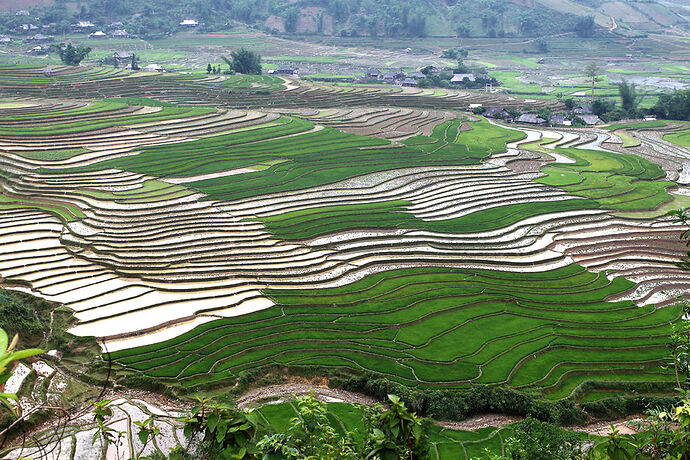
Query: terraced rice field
point(425, 244)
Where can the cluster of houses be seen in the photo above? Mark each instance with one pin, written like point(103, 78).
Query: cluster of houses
point(400, 77)
point(395, 76)
point(284, 70)
point(115, 29)
point(584, 113)
point(124, 60)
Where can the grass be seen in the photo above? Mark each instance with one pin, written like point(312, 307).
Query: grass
point(446, 444)
point(66, 127)
point(513, 84)
point(615, 181)
point(635, 125)
point(306, 160)
point(429, 327)
point(51, 155)
point(681, 138)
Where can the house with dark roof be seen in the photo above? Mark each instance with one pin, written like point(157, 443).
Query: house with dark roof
point(560, 120)
point(459, 78)
point(591, 119)
point(373, 73)
point(530, 118)
point(119, 59)
point(97, 34)
point(394, 74)
point(409, 82)
point(498, 113)
point(39, 38)
point(583, 110)
point(285, 70)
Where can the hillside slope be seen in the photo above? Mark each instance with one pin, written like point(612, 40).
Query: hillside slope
point(475, 18)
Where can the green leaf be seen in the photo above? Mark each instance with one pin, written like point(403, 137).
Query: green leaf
point(4, 340)
point(144, 436)
point(212, 422)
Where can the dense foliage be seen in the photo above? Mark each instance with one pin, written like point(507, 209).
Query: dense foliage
point(459, 405)
point(675, 106)
point(70, 54)
point(391, 18)
point(218, 431)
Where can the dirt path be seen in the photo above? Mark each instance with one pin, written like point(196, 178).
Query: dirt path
point(276, 393)
point(279, 393)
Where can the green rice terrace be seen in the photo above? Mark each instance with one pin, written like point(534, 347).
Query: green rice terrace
point(207, 228)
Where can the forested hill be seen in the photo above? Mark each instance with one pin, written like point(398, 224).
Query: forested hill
point(393, 18)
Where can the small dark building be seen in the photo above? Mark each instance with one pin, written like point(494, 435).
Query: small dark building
point(409, 82)
point(583, 110)
point(394, 74)
point(119, 59)
point(497, 113)
point(285, 70)
point(373, 73)
point(121, 33)
point(39, 38)
point(40, 50)
point(560, 120)
point(590, 119)
point(530, 118)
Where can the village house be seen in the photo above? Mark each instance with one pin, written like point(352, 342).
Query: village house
point(394, 74)
point(373, 73)
point(26, 28)
point(153, 68)
point(591, 119)
point(409, 82)
point(498, 113)
point(83, 26)
point(39, 38)
point(416, 75)
point(22, 13)
point(285, 70)
point(120, 33)
point(98, 34)
point(583, 110)
point(459, 78)
point(530, 118)
point(5, 39)
point(120, 59)
point(39, 50)
point(191, 23)
point(560, 120)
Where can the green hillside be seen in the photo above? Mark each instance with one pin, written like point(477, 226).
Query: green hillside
point(391, 18)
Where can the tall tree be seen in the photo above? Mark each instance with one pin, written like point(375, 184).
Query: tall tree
point(592, 71)
point(71, 55)
point(584, 27)
point(246, 62)
point(629, 97)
